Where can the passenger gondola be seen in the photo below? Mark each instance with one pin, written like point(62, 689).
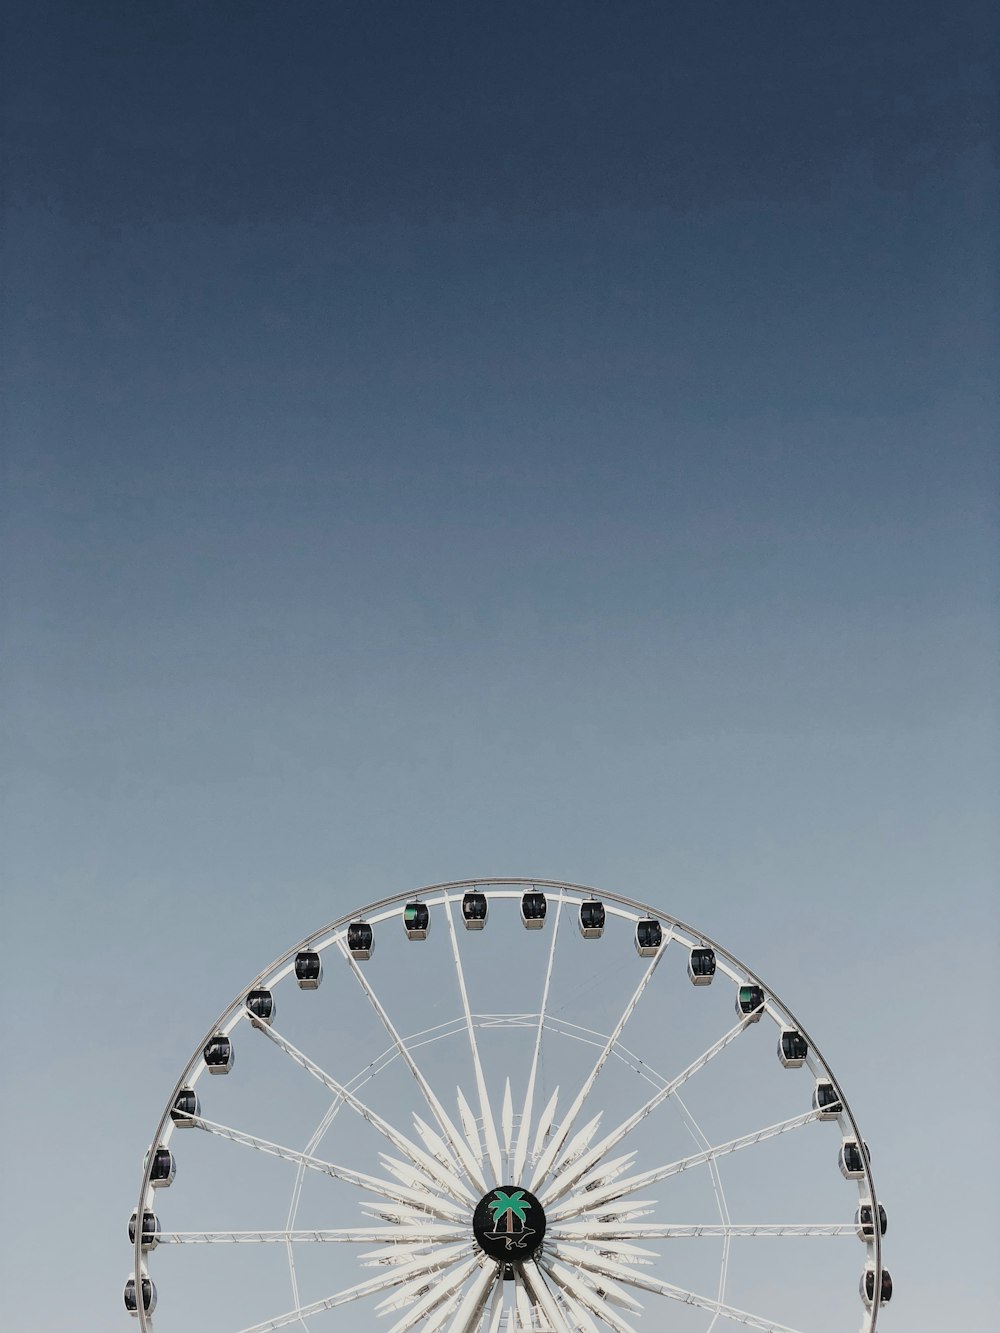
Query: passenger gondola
point(308, 969)
point(863, 1222)
point(592, 917)
point(164, 1168)
point(148, 1296)
point(533, 908)
point(792, 1048)
point(186, 1106)
point(868, 1286)
point(219, 1054)
point(474, 910)
point(150, 1230)
point(416, 921)
point(701, 965)
point(360, 940)
point(648, 937)
point(826, 1100)
point(851, 1165)
point(260, 1004)
point(750, 1002)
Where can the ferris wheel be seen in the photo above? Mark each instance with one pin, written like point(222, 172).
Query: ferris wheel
point(495, 1106)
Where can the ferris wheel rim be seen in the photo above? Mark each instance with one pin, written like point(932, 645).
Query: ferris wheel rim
point(327, 936)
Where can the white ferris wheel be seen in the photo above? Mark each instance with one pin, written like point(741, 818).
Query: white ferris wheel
point(503, 1105)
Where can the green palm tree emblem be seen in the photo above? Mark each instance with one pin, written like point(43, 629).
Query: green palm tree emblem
point(505, 1208)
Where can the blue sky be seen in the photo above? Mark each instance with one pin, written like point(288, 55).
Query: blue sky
point(461, 439)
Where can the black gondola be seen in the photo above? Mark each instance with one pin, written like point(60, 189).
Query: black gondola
point(851, 1165)
point(592, 917)
point(219, 1054)
point(260, 1003)
point(164, 1168)
point(474, 909)
point(533, 908)
point(648, 937)
point(792, 1048)
point(826, 1101)
point(416, 921)
point(360, 940)
point(186, 1105)
point(701, 965)
point(863, 1222)
point(148, 1297)
point(308, 969)
point(750, 1002)
point(150, 1230)
point(868, 1286)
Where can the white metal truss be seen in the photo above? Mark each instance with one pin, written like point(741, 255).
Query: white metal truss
point(489, 1124)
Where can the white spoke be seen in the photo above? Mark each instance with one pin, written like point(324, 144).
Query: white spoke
point(469, 1312)
point(402, 1236)
point(578, 1313)
point(414, 1178)
point(606, 1171)
point(403, 1213)
point(624, 1210)
point(538, 1290)
point(521, 1151)
point(589, 1201)
point(496, 1309)
point(451, 1134)
point(598, 1264)
point(545, 1122)
point(522, 1300)
point(612, 1249)
point(439, 1174)
point(600, 1232)
point(588, 1263)
point(415, 1286)
point(442, 1313)
point(486, 1111)
point(370, 1288)
point(389, 1256)
point(435, 1144)
point(571, 1173)
point(427, 1203)
point(507, 1120)
point(440, 1295)
point(468, 1119)
point(581, 1140)
point(550, 1154)
point(573, 1281)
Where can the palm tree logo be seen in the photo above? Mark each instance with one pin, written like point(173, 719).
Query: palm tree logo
point(508, 1209)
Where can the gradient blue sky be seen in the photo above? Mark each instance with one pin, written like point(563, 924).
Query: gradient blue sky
point(447, 439)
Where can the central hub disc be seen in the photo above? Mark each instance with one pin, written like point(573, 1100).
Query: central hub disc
point(509, 1223)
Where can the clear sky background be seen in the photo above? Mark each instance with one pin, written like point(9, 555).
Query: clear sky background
point(459, 438)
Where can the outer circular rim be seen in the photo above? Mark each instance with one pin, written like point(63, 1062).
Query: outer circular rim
point(229, 1016)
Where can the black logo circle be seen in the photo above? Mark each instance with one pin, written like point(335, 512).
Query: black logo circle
point(509, 1224)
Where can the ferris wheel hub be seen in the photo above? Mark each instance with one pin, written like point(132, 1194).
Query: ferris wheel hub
point(509, 1224)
